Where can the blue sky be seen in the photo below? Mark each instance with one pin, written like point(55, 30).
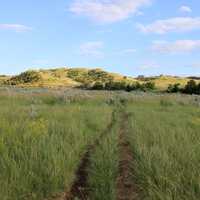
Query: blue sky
point(132, 37)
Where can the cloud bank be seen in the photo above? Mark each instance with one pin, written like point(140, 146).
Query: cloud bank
point(15, 27)
point(179, 46)
point(107, 11)
point(178, 24)
point(185, 9)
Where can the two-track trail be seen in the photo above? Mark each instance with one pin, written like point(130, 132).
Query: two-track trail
point(80, 188)
point(126, 188)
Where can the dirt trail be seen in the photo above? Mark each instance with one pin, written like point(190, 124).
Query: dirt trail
point(126, 189)
point(80, 188)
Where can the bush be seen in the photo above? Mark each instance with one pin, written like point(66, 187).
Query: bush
point(80, 75)
point(25, 77)
point(99, 75)
point(120, 85)
point(198, 89)
point(191, 87)
point(174, 88)
point(149, 85)
point(98, 86)
point(89, 76)
point(143, 87)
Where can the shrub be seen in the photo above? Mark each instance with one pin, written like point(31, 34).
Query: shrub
point(99, 75)
point(128, 88)
point(137, 86)
point(98, 86)
point(174, 88)
point(149, 85)
point(143, 87)
point(198, 88)
point(191, 87)
point(25, 77)
point(89, 76)
point(79, 75)
point(118, 85)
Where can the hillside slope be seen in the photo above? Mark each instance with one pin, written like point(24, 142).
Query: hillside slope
point(68, 77)
point(163, 81)
point(79, 77)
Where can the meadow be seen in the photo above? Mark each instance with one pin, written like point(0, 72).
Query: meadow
point(42, 137)
point(46, 133)
point(165, 139)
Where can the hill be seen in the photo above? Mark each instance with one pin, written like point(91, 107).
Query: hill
point(80, 77)
point(67, 77)
point(162, 82)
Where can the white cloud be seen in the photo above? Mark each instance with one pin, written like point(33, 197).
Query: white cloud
point(107, 11)
point(179, 46)
point(15, 27)
point(178, 24)
point(185, 9)
point(93, 49)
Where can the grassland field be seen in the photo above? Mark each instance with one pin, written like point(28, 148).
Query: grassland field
point(45, 133)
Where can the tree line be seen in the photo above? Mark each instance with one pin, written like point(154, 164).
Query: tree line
point(121, 85)
point(190, 88)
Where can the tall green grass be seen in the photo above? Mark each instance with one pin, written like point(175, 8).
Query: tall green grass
point(166, 144)
point(104, 167)
point(42, 137)
point(44, 133)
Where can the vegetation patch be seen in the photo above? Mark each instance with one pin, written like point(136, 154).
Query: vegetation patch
point(98, 79)
point(27, 77)
point(165, 143)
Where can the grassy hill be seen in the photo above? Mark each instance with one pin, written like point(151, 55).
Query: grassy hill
point(68, 77)
point(162, 82)
point(3, 78)
point(77, 77)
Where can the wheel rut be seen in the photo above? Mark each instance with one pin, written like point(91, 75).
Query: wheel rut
point(126, 188)
point(80, 188)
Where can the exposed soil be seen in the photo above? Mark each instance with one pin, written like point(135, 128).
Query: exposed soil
point(126, 189)
point(80, 188)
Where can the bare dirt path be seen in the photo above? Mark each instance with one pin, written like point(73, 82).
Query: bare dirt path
point(126, 189)
point(80, 188)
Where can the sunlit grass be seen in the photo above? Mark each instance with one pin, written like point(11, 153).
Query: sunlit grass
point(166, 144)
point(104, 167)
point(44, 133)
point(41, 141)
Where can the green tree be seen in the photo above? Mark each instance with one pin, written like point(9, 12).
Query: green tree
point(174, 88)
point(191, 87)
point(98, 86)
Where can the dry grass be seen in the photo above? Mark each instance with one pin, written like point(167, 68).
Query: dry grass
point(163, 82)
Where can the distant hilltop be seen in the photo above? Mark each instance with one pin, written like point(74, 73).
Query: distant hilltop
point(83, 77)
point(68, 77)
